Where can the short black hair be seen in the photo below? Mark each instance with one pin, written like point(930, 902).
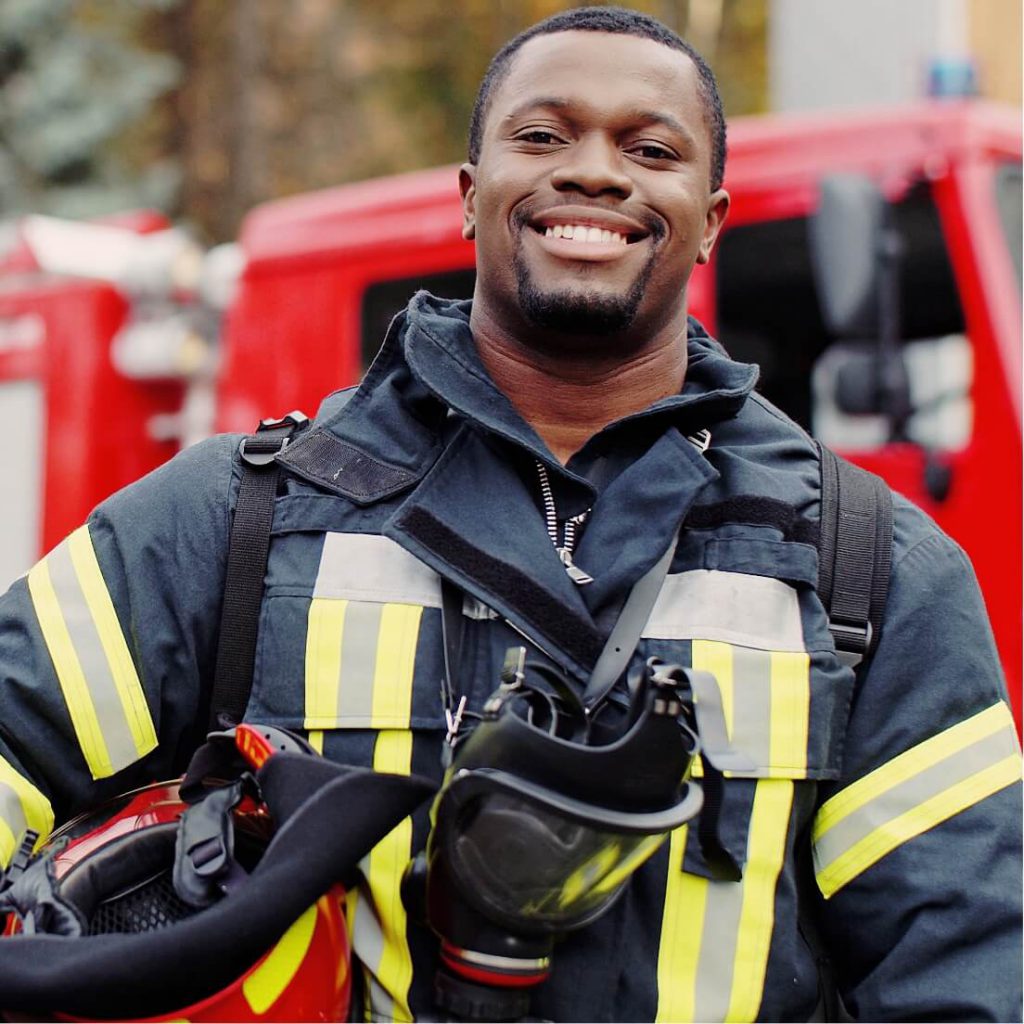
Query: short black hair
point(606, 19)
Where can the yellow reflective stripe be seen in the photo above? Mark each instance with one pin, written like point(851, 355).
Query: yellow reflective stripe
point(913, 793)
point(387, 863)
point(766, 850)
point(392, 752)
point(119, 659)
point(681, 928)
point(396, 657)
point(94, 668)
point(910, 763)
point(716, 936)
point(315, 737)
point(22, 806)
point(790, 713)
point(325, 633)
point(268, 980)
point(69, 671)
point(35, 807)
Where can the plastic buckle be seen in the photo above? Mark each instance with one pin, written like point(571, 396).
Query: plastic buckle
point(21, 859)
point(296, 418)
point(261, 451)
point(855, 638)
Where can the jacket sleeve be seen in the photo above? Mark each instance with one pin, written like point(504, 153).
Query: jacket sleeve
point(917, 848)
point(107, 645)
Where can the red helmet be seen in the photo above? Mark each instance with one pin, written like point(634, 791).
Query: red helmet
point(182, 893)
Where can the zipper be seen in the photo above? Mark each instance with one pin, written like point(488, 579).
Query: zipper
point(565, 549)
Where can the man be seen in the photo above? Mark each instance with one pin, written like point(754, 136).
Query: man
point(557, 411)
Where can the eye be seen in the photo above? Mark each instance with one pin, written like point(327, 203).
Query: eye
point(651, 151)
point(538, 137)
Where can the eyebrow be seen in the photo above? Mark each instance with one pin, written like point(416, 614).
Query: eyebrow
point(559, 104)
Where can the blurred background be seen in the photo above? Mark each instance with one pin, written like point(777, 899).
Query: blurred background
point(204, 108)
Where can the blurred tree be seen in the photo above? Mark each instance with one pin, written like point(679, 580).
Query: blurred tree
point(278, 98)
point(283, 98)
point(77, 90)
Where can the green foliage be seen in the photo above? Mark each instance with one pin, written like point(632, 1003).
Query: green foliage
point(74, 80)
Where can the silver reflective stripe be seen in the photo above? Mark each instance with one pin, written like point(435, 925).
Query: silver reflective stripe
point(366, 567)
point(752, 706)
point(13, 816)
point(358, 660)
point(903, 797)
point(716, 963)
point(737, 608)
point(368, 946)
point(22, 807)
point(117, 739)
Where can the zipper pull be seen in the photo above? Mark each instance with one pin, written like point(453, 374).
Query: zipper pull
point(576, 574)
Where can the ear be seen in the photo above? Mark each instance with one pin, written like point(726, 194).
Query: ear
point(467, 189)
point(718, 207)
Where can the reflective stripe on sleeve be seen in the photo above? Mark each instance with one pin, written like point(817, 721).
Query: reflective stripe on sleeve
point(912, 793)
point(360, 661)
point(22, 806)
point(716, 936)
point(90, 656)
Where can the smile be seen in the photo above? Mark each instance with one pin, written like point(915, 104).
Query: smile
point(583, 233)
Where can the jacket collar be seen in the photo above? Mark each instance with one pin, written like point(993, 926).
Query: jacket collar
point(422, 429)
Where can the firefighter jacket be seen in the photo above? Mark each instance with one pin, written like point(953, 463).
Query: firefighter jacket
point(878, 818)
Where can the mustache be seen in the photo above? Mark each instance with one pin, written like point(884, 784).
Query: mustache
point(653, 224)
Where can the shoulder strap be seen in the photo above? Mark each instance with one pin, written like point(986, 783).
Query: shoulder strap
point(854, 554)
point(247, 567)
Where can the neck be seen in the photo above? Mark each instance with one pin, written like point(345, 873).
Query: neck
point(568, 397)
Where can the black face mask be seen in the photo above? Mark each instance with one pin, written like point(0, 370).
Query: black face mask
point(545, 813)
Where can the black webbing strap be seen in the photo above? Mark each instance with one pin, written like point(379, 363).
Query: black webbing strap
point(247, 567)
point(854, 554)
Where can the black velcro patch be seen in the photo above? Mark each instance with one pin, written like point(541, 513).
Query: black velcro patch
point(322, 459)
point(535, 605)
point(752, 510)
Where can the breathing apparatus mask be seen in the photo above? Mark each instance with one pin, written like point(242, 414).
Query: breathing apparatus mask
point(548, 807)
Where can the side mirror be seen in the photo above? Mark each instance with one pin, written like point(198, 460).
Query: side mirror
point(846, 236)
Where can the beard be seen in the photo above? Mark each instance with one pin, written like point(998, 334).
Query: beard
point(580, 311)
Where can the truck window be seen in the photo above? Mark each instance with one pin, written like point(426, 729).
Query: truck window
point(1008, 203)
point(768, 313)
point(383, 299)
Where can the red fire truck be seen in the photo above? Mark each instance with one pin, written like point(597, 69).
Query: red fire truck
point(871, 265)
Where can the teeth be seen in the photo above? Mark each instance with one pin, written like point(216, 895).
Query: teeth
point(581, 233)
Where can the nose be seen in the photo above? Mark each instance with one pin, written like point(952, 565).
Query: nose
point(593, 165)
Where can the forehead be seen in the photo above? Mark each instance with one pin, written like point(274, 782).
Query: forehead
point(610, 72)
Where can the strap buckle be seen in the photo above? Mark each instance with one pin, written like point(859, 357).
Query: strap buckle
point(852, 640)
point(261, 451)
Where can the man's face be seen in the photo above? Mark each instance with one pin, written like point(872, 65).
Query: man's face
point(590, 202)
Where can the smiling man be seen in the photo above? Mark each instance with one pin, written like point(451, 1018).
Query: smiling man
point(508, 474)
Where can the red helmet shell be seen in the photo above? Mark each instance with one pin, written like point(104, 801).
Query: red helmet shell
point(305, 976)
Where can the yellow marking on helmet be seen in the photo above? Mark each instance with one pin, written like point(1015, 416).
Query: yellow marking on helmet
point(268, 979)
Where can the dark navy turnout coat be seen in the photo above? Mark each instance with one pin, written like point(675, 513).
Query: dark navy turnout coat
point(885, 805)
